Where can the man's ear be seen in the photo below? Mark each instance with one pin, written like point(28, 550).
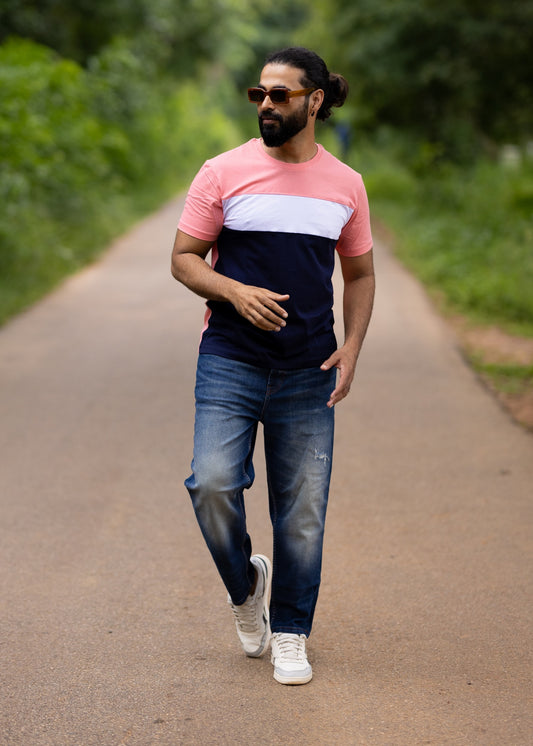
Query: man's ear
point(317, 98)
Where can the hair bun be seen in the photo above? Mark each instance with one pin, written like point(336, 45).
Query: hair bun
point(335, 95)
point(338, 89)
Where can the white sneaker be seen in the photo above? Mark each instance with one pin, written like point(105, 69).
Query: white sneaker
point(252, 617)
point(290, 659)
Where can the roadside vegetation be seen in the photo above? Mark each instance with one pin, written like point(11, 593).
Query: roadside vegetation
point(107, 111)
point(442, 129)
point(86, 149)
point(467, 233)
point(466, 230)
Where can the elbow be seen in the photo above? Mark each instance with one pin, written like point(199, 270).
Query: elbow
point(175, 268)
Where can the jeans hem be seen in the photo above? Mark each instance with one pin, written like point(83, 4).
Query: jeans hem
point(291, 631)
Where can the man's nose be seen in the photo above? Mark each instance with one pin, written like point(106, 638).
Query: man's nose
point(264, 103)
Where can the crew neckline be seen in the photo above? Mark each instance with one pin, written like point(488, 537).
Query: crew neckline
point(286, 164)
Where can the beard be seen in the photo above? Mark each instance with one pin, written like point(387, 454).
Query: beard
point(277, 134)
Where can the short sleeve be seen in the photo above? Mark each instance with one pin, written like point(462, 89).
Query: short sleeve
point(202, 216)
point(356, 236)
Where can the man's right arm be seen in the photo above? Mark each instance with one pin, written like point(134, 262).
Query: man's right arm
point(258, 305)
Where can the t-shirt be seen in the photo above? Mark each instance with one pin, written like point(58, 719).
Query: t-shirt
point(277, 225)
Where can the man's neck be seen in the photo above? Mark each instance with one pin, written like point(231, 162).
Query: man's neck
point(296, 150)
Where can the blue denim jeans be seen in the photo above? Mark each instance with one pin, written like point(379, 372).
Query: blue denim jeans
point(231, 399)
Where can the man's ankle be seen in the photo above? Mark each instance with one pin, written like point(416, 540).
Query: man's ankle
point(254, 584)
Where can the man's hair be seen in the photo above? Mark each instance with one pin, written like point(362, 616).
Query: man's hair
point(316, 73)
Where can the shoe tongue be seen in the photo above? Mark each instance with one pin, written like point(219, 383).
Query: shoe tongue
point(292, 648)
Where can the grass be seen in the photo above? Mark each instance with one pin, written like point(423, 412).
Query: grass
point(467, 233)
point(509, 379)
point(46, 250)
point(513, 384)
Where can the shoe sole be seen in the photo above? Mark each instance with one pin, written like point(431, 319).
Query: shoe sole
point(267, 572)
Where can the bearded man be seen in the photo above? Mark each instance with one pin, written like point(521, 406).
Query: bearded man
point(274, 212)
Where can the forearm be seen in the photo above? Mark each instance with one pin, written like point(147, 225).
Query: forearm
point(358, 301)
point(259, 306)
point(196, 274)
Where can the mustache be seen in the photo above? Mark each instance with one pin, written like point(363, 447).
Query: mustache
point(266, 115)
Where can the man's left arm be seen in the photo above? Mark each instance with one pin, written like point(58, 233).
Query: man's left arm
point(358, 300)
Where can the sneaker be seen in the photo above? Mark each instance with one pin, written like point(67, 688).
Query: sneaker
point(252, 617)
point(290, 659)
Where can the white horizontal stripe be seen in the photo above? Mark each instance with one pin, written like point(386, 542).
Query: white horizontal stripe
point(286, 214)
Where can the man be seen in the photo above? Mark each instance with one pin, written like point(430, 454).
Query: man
point(273, 212)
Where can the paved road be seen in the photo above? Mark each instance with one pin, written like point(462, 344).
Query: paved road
point(115, 630)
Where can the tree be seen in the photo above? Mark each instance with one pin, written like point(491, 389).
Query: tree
point(438, 69)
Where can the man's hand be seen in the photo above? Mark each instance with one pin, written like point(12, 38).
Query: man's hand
point(260, 307)
point(344, 360)
point(358, 275)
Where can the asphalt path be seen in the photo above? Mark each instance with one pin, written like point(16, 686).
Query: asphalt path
point(114, 625)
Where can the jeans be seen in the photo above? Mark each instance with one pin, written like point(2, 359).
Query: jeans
point(231, 399)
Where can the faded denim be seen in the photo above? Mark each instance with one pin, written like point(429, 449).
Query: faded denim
point(231, 399)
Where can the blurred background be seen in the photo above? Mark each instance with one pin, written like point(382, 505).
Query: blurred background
point(108, 108)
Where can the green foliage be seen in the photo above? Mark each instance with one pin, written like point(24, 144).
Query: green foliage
point(76, 29)
point(166, 33)
point(83, 152)
point(512, 376)
point(450, 73)
point(252, 29)
point(139, 92)
point(48, 101)
point(107, 108)
point(513, 380)
point(467, 233)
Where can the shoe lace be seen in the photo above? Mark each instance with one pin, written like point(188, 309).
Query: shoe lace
point(245, 616)
point(292, 646)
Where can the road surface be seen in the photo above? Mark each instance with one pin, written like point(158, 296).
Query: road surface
point(115, 629)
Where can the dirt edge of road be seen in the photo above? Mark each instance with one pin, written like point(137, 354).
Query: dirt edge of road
point(491, 345)
point(487, 344)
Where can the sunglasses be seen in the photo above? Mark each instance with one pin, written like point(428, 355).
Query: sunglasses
point(276, 95)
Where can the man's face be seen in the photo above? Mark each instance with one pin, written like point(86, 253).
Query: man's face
point(278, 123)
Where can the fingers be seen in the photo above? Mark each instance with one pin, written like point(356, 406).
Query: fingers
point(271, 315)
point(261, 308)
point(345, 364)
point(338, 394)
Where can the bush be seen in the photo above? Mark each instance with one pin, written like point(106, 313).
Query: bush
point(84, 153)
point(466, 232)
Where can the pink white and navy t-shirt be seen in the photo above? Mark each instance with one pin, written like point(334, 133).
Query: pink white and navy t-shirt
point(277, 225)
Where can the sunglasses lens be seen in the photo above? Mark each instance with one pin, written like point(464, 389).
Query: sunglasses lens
point(256, 95)
point(278, 96)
